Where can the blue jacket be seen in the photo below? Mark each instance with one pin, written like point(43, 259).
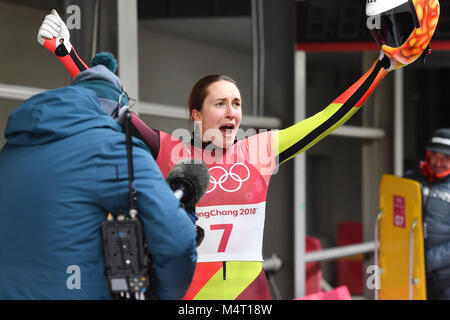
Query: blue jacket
point(436, 217)
point(62, 170)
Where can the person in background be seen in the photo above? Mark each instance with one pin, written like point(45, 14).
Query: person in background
point(433, 174)
point(62, 170)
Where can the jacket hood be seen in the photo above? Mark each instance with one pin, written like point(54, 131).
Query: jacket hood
point(106, 84)
point(57, 114)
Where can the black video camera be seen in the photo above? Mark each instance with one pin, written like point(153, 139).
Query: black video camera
point(127, 262)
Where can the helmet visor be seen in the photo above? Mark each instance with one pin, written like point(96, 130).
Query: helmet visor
point(395, 26)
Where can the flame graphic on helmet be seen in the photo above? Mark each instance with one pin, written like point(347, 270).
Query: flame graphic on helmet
point(428, 15)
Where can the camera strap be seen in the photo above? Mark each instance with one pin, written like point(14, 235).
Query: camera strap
point(127, 260)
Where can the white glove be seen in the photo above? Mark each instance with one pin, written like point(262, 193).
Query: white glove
point(54, 27)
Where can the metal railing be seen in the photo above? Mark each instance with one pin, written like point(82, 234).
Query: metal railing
point(18, 93)
point(340, 252)
point(21, 93)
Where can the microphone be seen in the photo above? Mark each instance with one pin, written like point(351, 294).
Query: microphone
point(189, 180)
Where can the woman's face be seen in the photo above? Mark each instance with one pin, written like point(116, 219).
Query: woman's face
point(221, 113)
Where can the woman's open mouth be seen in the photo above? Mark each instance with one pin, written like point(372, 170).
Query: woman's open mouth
point(227, 130)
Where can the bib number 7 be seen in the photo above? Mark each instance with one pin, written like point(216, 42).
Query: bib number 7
point(225, 235)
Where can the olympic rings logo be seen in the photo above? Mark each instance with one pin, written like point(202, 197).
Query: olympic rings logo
point(224, 177)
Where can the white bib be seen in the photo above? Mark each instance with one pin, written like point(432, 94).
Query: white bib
point(232, 232)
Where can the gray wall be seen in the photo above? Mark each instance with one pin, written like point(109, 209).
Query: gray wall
point(22, 60)
point(170, 64)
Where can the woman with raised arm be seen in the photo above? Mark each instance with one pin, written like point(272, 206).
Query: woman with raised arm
point(232, 212)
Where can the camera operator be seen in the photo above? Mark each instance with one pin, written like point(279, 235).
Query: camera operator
point(62, 170)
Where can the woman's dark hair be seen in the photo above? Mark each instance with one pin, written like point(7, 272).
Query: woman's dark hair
point(200, 91)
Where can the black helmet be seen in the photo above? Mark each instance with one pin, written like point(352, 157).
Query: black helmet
point(440, 141)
